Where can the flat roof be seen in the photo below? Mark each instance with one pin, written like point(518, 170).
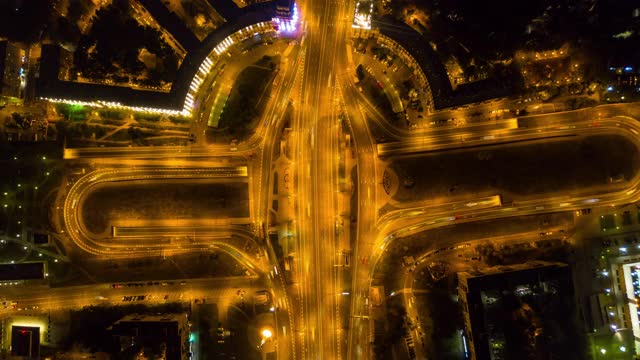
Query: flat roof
point(22, 271)
point(172, 317)
point(505, 281)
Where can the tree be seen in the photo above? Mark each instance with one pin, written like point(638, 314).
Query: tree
point(65, 31)
point(77, 9)
point(360, 72)
point(22, 121)
point(63, 129)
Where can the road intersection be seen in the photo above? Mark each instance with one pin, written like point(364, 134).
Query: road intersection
point(316, 86)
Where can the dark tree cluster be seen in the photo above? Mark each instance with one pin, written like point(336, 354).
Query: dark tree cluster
point(35, 20)
point(193, 8)
point(88, 326)
point(244, 103)
point(25, 21)
point(110, 50)
point(394, 332)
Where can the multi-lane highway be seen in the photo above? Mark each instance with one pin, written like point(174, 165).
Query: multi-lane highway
point(316, 130)
point(39, 299)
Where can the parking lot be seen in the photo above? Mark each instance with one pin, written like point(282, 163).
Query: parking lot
point(150, 200)
point(519, 171)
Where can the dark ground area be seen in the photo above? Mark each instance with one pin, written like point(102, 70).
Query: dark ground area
point(189, 266)
point(238, 346)
point(205, 322)
point(245, 102)
point(30, 172)
point(164, 199)
point(519, 171)
point(88, 326)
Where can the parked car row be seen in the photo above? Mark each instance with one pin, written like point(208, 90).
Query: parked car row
point(150, 283)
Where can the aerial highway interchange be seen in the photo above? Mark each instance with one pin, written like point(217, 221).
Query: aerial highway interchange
point(324, 307)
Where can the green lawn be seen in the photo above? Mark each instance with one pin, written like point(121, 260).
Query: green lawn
point(242, 106)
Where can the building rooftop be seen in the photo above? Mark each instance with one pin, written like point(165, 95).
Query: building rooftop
point(153, 318)
point(22, 271)
point(519, 309)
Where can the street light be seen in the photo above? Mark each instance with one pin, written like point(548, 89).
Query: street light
point(266, 335)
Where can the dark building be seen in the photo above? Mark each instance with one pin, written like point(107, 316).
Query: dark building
point(10, 73)
point(25, 341)
point(22, 271)
point(520, 310)
point(284, 9)
point(162, 335)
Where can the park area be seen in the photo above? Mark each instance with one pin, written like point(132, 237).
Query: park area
point(82, 126)
point(576, 165)
point(247, 98)
point(163, 199)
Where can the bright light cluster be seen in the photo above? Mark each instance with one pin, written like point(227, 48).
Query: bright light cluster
point(116, 105)
point(631, 273)
point(204, 69)
point(362, 20)
point(224, 45)
point(288, 25)
point(208, 63)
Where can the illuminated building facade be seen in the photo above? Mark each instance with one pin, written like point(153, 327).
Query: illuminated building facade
point(11, 70)
point(284, 9)
point(286, 19)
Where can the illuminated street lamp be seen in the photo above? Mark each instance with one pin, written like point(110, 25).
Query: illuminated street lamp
point(266, 335)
